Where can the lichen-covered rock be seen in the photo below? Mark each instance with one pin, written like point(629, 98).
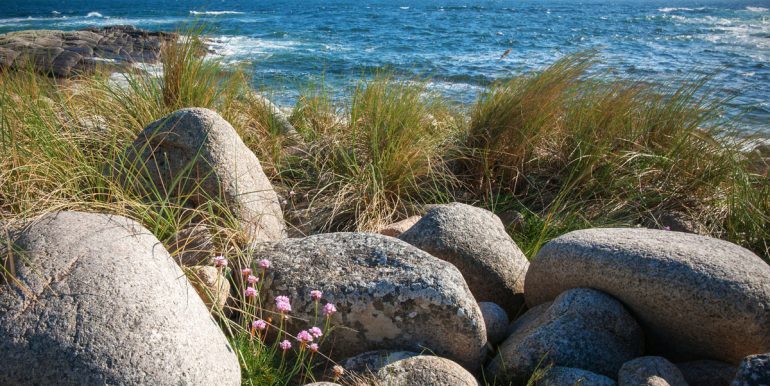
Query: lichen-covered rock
point(195, 154)
point(568, 376)
point(495, 320)
point(707, 373)
point(583, 328)
point(696, 297)
point(754, 370)
point(397, 228)
point(95, 299)
point(425, 370)
point(390, 295)
point(475, 241)
point(211, 285)
point(650, 371)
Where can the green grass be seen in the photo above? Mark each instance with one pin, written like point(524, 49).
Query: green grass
point(567, 147)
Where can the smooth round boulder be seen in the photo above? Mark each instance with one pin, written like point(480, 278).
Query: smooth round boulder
point(475, 241)
point(389, 295)
point(568, 376)
point(371, 361)
point(650, 371)
point(212, 286)
point(583, 328)
point(495, 320)
point(399, 227)
point(695, 296)
point(707, 373)
point(95, 299)
point(425, 370)
point(754, 370)
point(198, 156)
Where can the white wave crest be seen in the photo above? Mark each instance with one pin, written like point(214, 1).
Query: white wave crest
point(94, 14)
point(404, 7)
point(215, 13)
point(56, 12)
point(756, 9)
point(680, 9)
point(237, 48)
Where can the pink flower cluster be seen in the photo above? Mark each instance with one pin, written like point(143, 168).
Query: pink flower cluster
point(316, 295)
point(329, 309)
point(282, 304)
point(259, 324)
point(220, 262)
point(304, 337)
point(285, 345)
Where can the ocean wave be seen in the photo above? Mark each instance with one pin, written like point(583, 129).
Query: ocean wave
point(680, 9)
point(94, 14)
point(215, 13)
point(404, 7)
point(756, 9)
point(237, 48)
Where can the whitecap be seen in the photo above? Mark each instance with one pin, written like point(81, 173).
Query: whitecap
point(56, 12)
point(756, 9)
point(680, 9)
point(236, 48)
point(404, 7)
point(215, 13)
point(94, 14)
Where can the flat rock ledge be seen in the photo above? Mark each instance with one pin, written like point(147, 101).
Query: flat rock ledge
point(69, 53)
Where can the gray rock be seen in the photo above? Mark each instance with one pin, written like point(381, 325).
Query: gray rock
point(390, 295)
point(212, 286)
point(425, 370)
point(650, 371)
point(97, 300)
point(754, 370)
point(696, 297)
point(529, 315)
point(707, 373)
point(193, 245)
point(323, 384)
point(205, 154)
point(475, 241)
point(275, 115)
point(568, 376)
point(583, 328)
point(372, 361)
point(496, 321)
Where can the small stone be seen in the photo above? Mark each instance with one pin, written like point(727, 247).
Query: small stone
point(425, 370)
point(211, 285)
point(496, 321)
point(568, 376)
point(397, 228)
point(650, 371)
point(754, 370)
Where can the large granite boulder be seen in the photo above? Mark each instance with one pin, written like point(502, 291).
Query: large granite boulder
point(583, 328)
point(95, 299)
point(390, 295)
point(650, 371)
point(425, 370)
point(475, 241)
point(69, 53)
point(568, 376)
point(754, 370)
point(195, 154)
point(696, 297)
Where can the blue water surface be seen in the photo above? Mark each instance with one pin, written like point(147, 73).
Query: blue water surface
point(457, 43)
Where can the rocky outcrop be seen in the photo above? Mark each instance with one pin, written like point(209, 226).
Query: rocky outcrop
point(754, 370)
point(568, 376)
point(696, 297)
point(475, 241)
point(583, 328)
point(495, 320)
point(198, 157)
point(707, 373)
point(390, 295)
point(425, 370)
point(68, 53)
point(650, 371)
point(95, 299)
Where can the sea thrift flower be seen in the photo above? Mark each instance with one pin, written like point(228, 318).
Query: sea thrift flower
point(264, 264)
point(285, 345)
point(246, 272)
point(259, 324)
point(329, 309)
point(252, 279)
point(220, 261)
point(250, 292)
point(304, 337)
point(338, 371)
point(281, 299)
point(316, 295)
point(283, 307)
point(313, 347)
point(316, 332)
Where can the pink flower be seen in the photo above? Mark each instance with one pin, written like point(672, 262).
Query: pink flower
point(252, 279)
point(264, 264)
point(304, 336)
point(338, 371)
point(250, 292)
point(316, 295)
point(316, 332)
point(283, 307)
point(246, 271)
point(282, 299)
point(259, 324)
point(220, 261)
point(313, 347)
point(285, 345)
point(329, 309)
